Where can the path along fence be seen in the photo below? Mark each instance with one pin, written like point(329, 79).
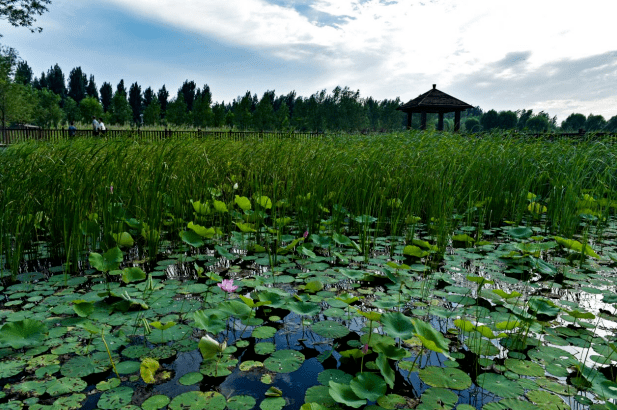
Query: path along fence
point(12, 136)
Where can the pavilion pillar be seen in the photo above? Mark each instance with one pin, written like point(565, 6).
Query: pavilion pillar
point(423, 120)
point(409, 113)
point(457, 121)
point(440, 122)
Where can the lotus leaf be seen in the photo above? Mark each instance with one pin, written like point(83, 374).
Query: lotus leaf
point(22, 333)
point(368, 386)
point(272, 403)
point(263, 332)
point(547, 400)
point(437, 399)
point(264, 348)
point(385, 369)
point(284, 361)
point(304, 308)
point(448, 377)
point(524, 367)
point(241, 402)
point(335, 375)
point(191, 378)
point(109, 261)
point(218, 367)
point(499, 385)
point(123, 239)
point(391, 401)
point(343, 393)
point(330, 329)
point(115, 398)
point(397, 324)
point(508, 404)
point(197, 400)
point(155, 402)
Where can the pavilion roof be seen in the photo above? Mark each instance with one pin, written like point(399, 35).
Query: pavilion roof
point(434, 101)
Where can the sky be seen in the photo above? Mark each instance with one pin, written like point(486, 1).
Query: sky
point(555, 56)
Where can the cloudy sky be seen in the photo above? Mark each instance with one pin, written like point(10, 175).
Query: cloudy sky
point(556, 56)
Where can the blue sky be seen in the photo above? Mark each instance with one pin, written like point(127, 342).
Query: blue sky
point(545, 55)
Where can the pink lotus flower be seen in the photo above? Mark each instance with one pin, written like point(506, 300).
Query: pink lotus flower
point(365, 349)
point(227, 285)
point(305, 234)
point(111, 189)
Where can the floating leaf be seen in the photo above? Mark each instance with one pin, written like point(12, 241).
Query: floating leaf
point(191, 378)
point(330, 329)
point(524, 367)
point(414, 251)
point(263, 332)
point(65, 385)
point(155, 402)
point(272, 403)
point(197, 400)
point(499, 385)
point(447, 377)
point(437, 399)
point(115, 398)
point(134, 274)
point(22, 333)
point(522, 232)
point(241, 402)
point(83, 308)
point(304, 308)
point(284, 361)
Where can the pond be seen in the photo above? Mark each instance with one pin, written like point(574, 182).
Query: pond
point(507, 317)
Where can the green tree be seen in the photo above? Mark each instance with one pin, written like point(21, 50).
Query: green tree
point(78, 81)
point(595, 123)
point(21, 13)
point(107, 93)
point(148, 95)
point(243, 117)
point(176, 111)
point(188, 94)
point(47, 113)
point(163, 96)
point(611, 125)
point(574, 122)
point(16, 100)
point(489, 120)
point(472, 124)
point(120, 109)
point(71, 110)
point(152, 113)
point(263, 117)
point(538, 123)
point(136, 101)
point(507, 120)
point(202, 109)
point(23, 73)
point(55, 81)
point(218, 112)
point(91, 90)
point(522, 119)
point(282, 117)
point(90, 107)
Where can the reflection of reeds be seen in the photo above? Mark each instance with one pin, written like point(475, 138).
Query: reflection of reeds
point(390, 177)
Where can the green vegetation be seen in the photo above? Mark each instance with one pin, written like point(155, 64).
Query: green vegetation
point(411, 266)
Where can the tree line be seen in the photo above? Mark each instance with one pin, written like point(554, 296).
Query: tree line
point(52, 100)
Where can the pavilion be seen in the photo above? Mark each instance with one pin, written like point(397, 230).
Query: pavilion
point(435, 101)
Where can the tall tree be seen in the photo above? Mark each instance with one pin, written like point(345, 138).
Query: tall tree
point(55, 81)
point(507, 120)
point(152, 113)
point(243, 118)
point(135, 101)
point(574, 122)
point(218, 111)
point(71, 110)
point(176, 111)
point(163, 96)
point(489, 120)
point(15, 102)
point(522, 119)
point(148, 95)
point(263, 117)
point(78, 81)
point(47, 112)
point(202, 110)
point(91, 89)
point(106, 96)
point(188, 93)
point(21, 13)
point(23, 73)
point(120, 108)
point(90, 107)
point(595, 123)
point(611, 125)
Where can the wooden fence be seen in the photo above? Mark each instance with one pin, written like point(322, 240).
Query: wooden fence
point(12, 136)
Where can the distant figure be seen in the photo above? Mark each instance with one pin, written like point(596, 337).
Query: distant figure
point(95, 126)
point(102, 128)
point(72, 130)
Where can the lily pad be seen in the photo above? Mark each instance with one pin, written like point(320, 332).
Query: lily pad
point(547, 400)
point(263, 348)
point(447, 377)
point(343, 393)
point(330, 329)
point(335, 375)
point(22, 333)
point(524, 367)
point(191, 378)
point(437, 399)
point(499, 385)
point(368, 386)
point(115, 398)
point(156, 402)
point(284, 361)
point(272, 403)
point(264, 332)
point(397, 324)
point(197, 400)
point(241, 402)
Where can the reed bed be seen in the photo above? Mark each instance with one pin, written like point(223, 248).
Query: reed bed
point(48, 192)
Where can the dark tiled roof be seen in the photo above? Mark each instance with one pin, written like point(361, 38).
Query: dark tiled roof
point(434, 101)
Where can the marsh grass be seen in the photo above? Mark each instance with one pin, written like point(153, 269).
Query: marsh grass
point(48, 190)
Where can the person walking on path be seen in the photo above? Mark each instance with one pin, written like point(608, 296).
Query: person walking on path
point(102, 128)
point(95, 126)
point(72, 130)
